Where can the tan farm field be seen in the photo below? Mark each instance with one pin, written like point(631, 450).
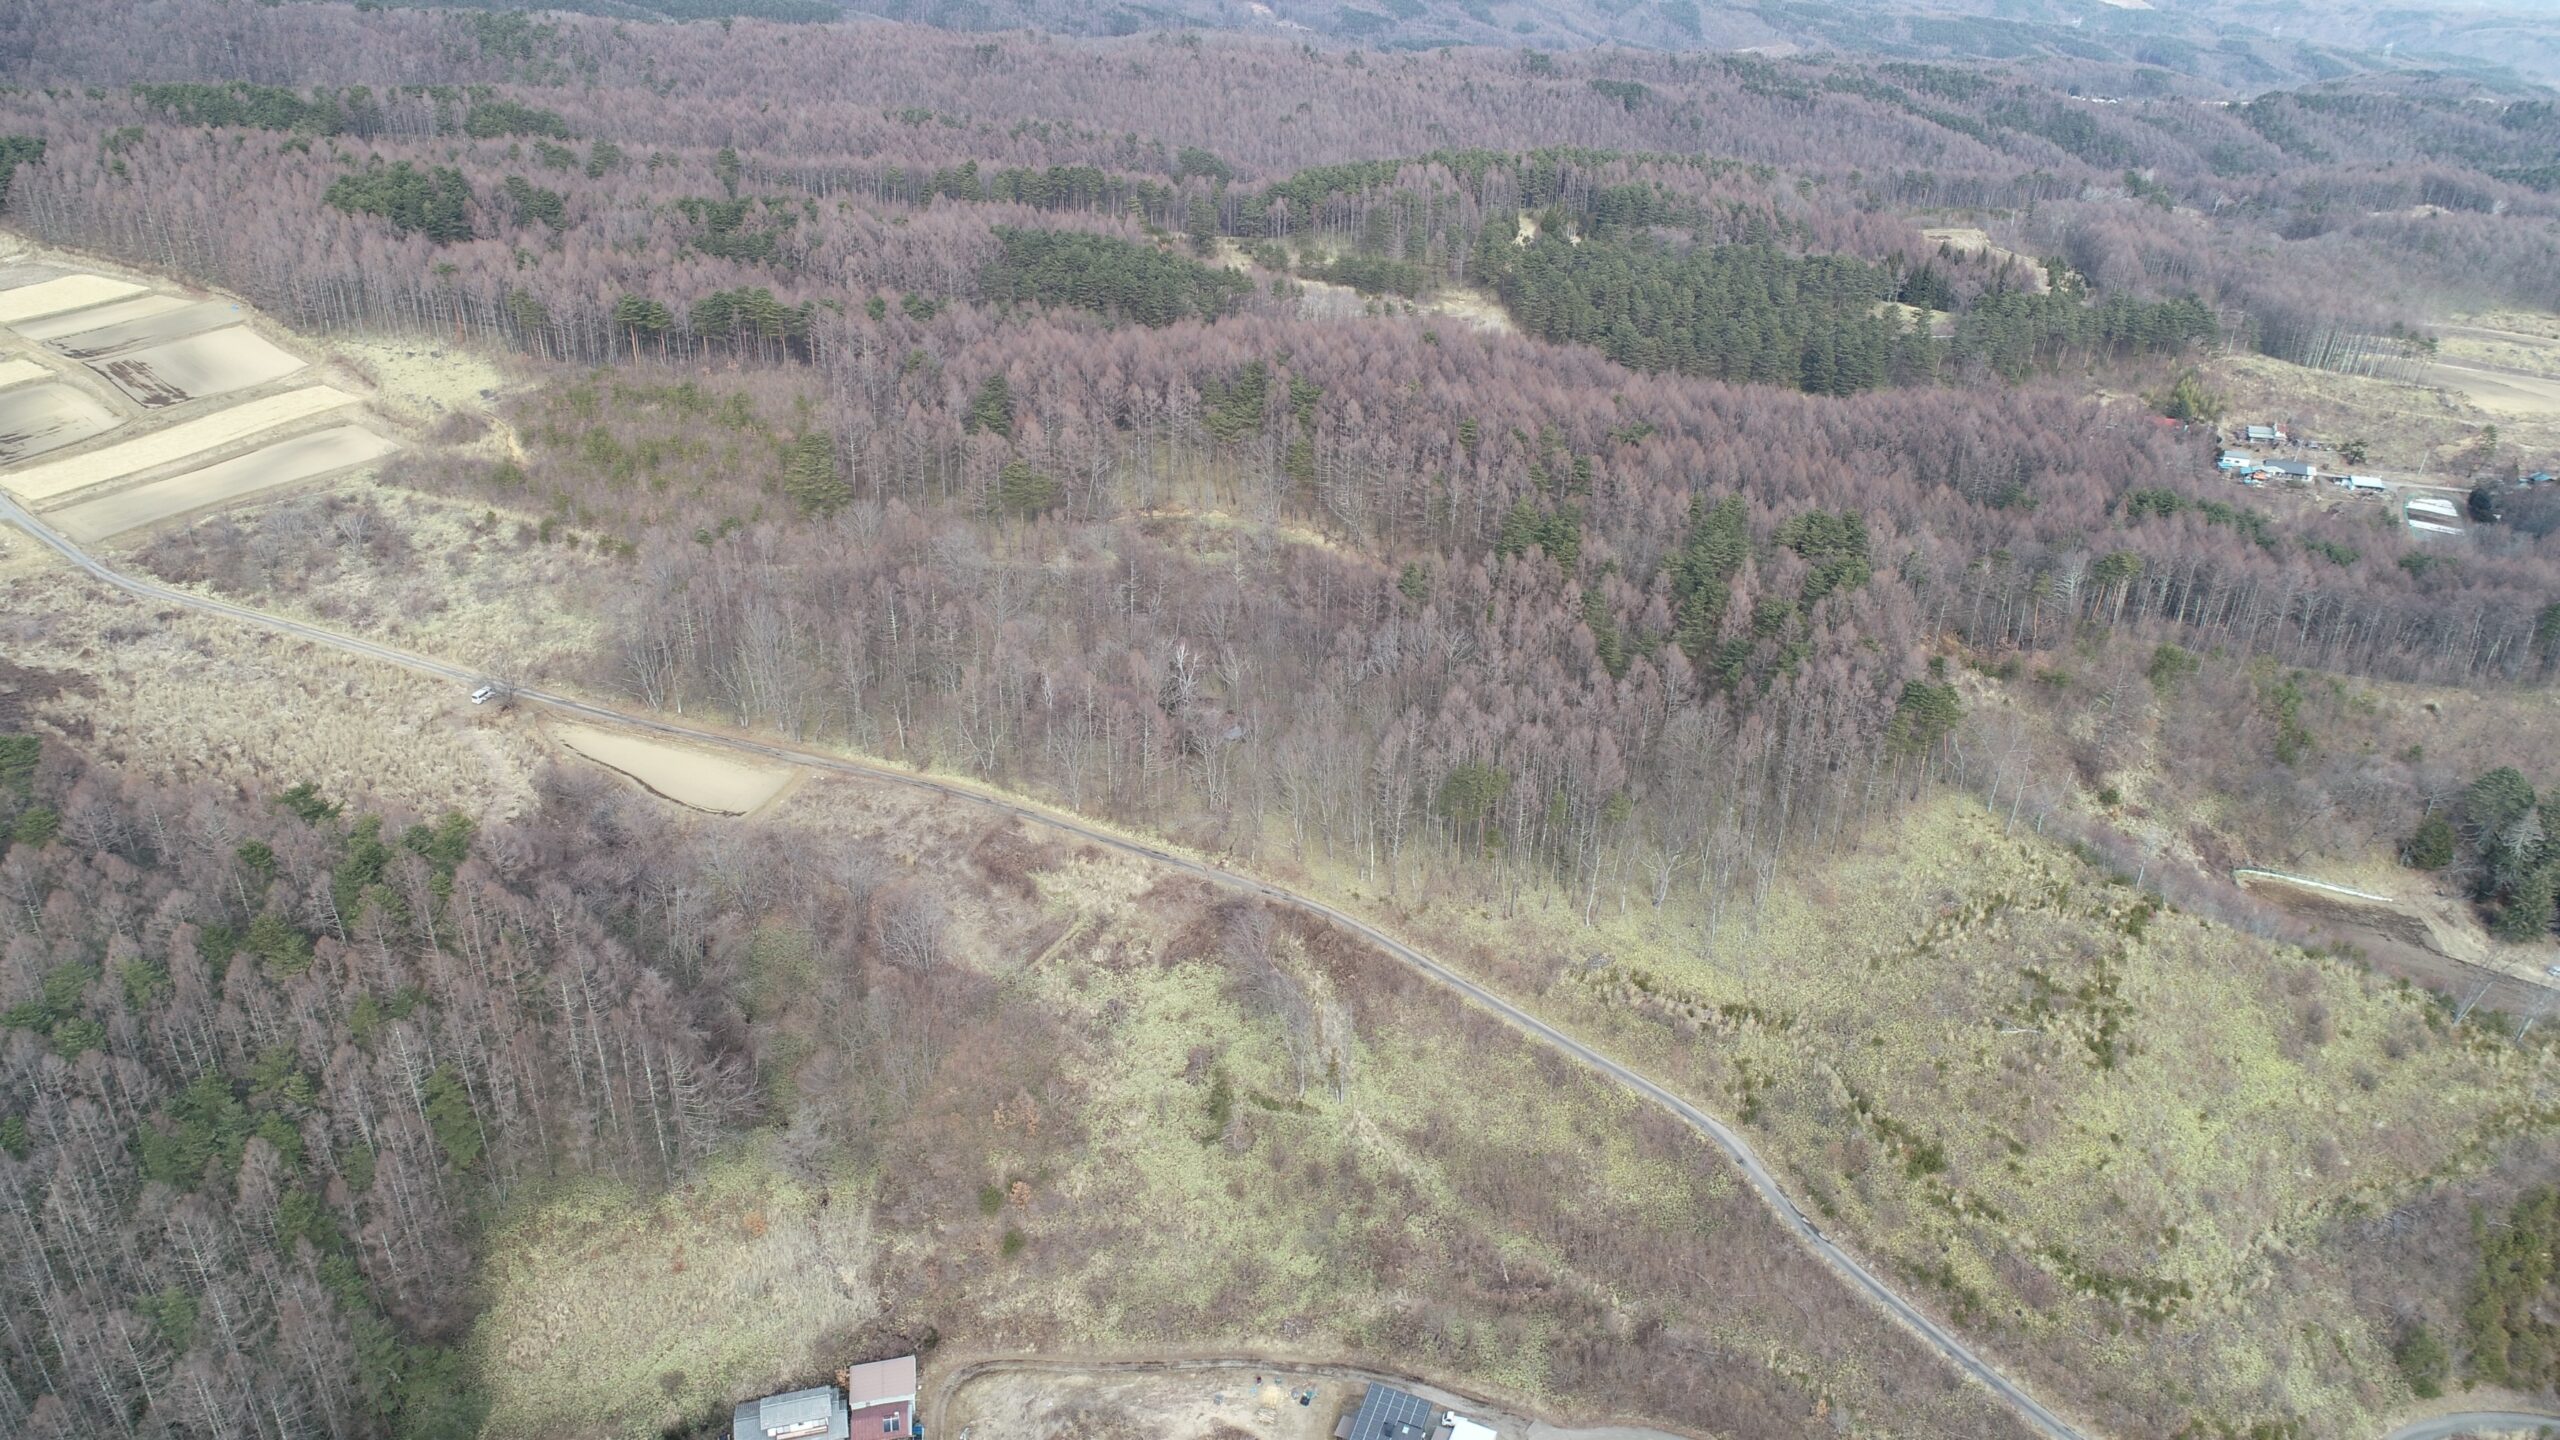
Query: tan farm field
point(38, 418)
point(217, 362)
point(270, 467)
point(193, 437)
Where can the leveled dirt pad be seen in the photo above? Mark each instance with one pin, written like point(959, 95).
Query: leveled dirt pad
point(54, 327)
point(215, 363)
point(696, 778)
point(261, 470)
point(37, 418)
point(1239, 1401)
point(55, 296)
point(106, 337)
point(178, 442)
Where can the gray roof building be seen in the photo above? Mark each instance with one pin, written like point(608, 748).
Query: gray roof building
point(1387, 1413)
point(818, 1414)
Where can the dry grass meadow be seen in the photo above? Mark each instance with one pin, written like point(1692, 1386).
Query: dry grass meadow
point(1144, 1120)
point(2107, 1137)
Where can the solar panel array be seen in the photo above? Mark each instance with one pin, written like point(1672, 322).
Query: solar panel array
point(1387, 1413)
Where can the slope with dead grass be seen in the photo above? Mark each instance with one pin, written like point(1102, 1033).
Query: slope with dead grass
point(2098, 1133)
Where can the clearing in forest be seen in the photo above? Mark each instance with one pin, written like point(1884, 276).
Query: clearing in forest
point(223, 427)
point(214, 363)
point(37, 418)
point(283, 463)
point(690, 777)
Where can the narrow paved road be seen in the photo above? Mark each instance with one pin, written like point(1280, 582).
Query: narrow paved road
point(1766, 1184)
point(2478, 1422)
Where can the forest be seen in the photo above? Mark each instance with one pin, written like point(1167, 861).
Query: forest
point(1579, 489)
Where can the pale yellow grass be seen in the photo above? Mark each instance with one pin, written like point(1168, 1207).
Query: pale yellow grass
point(2255, 1092)
point(267, 468)
point(419, 379)
point(614, 1316)
point(210, 432)
point(68, 292)
point(19, 372)
point(476, 587)
point(189, 699)
point(689, 775)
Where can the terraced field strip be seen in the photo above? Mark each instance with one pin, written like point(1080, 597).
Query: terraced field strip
point(88, 342)
point(38, 418)
point(54, 327)
point(283, 463)
point(67, 292)
point(214, 363)
point(19, 372)
point(210, 432)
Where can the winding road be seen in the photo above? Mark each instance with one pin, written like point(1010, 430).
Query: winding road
point(1847, 1266)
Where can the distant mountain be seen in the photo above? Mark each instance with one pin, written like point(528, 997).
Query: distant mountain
point(2248, 46)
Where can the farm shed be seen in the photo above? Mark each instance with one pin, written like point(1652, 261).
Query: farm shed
point(817, 1414)
point(1387, 1413)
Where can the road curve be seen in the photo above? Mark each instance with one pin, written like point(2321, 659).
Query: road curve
point(1723, 1137)
point(2478, 1422)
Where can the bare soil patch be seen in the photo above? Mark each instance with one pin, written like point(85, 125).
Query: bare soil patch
point(63, 293)
point(38, 418)
point(78, 322)
point(1221, 1400)
point(2503, 392)
point(2358, 910)
point(698, 779)
point(284, 463)
point(178, 442)
point(214, 363)
point(91, 341)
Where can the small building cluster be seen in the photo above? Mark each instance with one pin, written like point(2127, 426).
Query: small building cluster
point(1387, 1413)
point(868, 1401)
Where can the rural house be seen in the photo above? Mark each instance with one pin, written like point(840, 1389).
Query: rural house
point(2262, 435)
point(883, 1397)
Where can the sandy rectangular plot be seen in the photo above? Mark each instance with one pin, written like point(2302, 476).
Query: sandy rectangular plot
point(55, 326)
point(282, 463)
point(214, 363)
point(19, 372)
point(210, 432)
point(88, 343)
point(67, 292)
point(37, 418)
point(702, 779)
